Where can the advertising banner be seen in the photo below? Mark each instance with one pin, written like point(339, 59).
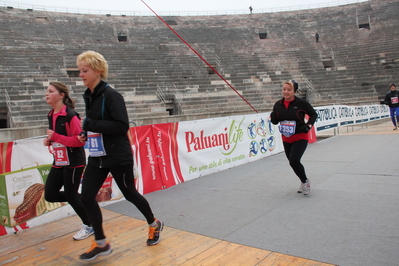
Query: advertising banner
point(22, 195)
point(211, 145)
point(346, 115)
point(156, 161)
point(334, 116)
point(24, 169)
point(327, 117)
point(171, 153)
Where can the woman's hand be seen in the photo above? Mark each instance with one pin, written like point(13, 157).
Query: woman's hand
point(50, 134)
point(82, 137)
point(46, 142)
point(305, 128)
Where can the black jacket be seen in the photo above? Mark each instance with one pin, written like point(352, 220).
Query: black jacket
point(76, 155)
point(296, 112)
point(106, 113)
point(389, 96)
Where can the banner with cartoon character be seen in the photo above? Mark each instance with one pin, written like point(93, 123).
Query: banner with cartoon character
point(171, 153)
point(211, 145)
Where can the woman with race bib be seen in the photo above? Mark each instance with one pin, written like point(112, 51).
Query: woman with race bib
point(106, 126)
point(392, 100)
point(69, 155)
point(296, 117)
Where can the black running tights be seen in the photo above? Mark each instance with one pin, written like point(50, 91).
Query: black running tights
point(70, 179)
point(294, 152)
point(94, 178)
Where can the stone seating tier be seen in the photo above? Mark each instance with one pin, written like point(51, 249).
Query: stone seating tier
point(348, 65)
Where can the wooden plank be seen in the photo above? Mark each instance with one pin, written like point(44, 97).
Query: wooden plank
point(156, 254)
point(48, 251)
point(284, 260)
point(207, 253)
point(51, 244)
point(182, 243)
point(205, 243)
point(66, 226)
point(237, 256)
point(29, 237)
point(257, 257)
point(217, 256)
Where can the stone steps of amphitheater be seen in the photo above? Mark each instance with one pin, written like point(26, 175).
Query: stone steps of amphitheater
point(36, 113)
point(362, 61)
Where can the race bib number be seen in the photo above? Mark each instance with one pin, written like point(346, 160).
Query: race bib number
point(287, 128)
point(394, 100)
point(96, 144)
point(60, 154)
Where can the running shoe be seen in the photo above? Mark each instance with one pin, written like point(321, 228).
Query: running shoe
point(96, 251)
point(154, 233)
point(84, 232)
point(301, 188)
point(307, 188)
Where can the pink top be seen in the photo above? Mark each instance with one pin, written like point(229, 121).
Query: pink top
point(73, 130)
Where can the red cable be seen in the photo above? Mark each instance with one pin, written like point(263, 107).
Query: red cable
point(200, 56)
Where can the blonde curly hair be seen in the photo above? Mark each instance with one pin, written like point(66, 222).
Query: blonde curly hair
point(95, 60)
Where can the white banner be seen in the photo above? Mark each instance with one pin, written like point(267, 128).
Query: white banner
point(342, 115)
point(211, 145)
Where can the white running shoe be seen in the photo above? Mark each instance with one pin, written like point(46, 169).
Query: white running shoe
point(301, 188)
point(307, 188)
point(84, 232)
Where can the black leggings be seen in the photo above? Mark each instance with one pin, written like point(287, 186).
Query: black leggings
point(70, 179)
point(294, 152)
point(94, 178)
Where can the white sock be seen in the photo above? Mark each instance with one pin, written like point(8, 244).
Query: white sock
point(101, 242)
point(153, 224)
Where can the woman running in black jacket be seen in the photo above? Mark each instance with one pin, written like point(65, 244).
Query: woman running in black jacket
point(290, 112)
point(392, 100)
point(106, 125)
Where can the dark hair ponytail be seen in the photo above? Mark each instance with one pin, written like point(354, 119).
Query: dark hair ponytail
point(62, 88)
point(296, 86)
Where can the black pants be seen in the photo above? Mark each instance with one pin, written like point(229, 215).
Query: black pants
point(294, 152)
point(70, 179)
point(94, 178)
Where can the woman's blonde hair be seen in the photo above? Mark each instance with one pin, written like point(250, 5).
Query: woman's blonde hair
point(95, 60)
point(62, 88)
point(293, 84)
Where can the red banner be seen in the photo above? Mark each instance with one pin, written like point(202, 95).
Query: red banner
point(155, 157)
point(5, 157)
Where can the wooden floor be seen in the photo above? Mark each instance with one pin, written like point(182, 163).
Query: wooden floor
point(52, 244)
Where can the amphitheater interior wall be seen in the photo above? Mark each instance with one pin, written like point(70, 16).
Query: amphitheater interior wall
point(163, 80)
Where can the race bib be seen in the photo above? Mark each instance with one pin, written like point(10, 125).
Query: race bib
point(60, 154)
point(96, 144)
point(394, 100)
point(287, 128)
